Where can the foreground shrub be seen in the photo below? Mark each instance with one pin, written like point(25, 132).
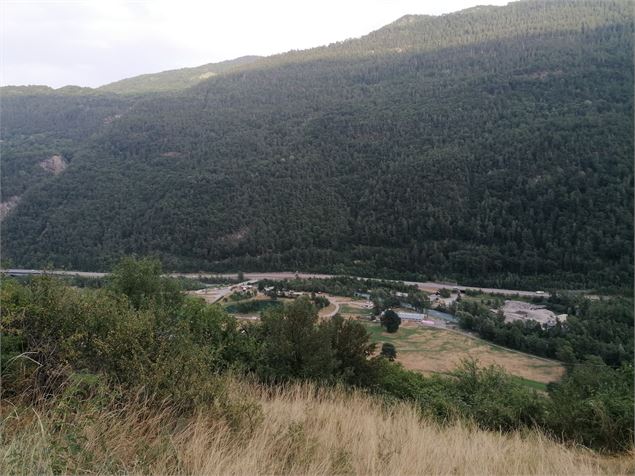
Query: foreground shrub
point(54, 330)
point(487, 396)
point(594, 405)
point(294, 345)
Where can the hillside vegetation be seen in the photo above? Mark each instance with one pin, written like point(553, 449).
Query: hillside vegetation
point(300, 429)
point(492, 145)
point(175, 79)
point(74, 353)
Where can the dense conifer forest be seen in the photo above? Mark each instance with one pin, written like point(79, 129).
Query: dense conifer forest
point(493, 146)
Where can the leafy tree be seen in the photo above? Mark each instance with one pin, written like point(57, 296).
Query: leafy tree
point(320, 301)
point(390, 320)
point(418, 300)
point(141, 281)
point(352, 347)
point(445, 292)
point(293, 345)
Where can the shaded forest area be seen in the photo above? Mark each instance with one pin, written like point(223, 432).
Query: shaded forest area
point(492, 146)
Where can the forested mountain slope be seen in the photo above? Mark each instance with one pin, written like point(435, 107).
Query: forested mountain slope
point(175, 79)
point(493, 145)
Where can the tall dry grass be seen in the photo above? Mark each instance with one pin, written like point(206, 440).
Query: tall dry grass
point(300, 429)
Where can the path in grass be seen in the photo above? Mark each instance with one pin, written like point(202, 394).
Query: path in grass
point(429, 349)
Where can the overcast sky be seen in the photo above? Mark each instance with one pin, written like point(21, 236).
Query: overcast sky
point(94, 42)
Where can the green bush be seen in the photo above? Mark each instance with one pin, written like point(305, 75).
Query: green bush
point(294, 345)
point(487, 396)
point(445, 293)
point(56, 331)
point(593, 404)
point(141, 281)
point(389, 351)
point(494, 400)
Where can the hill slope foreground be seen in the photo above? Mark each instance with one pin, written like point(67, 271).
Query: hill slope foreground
point(303, 430)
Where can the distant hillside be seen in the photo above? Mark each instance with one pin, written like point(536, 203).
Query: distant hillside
point(493, 145)
point(175, 79)
point(43, 90)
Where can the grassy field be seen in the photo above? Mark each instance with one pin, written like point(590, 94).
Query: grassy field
point(348, 310)
point(299, 429)
point(428, 349)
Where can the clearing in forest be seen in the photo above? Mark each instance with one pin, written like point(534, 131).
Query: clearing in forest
point(430, 350)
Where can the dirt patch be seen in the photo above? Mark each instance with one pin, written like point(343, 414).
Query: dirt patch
point(235, 237)
point(111, 119)
point(54, 164)
point(524, 311)
point(171, 154)
point(6, 207)
point(329, 310)
point(544, 74)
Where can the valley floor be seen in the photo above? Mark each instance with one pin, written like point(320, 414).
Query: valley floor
point(431, 350)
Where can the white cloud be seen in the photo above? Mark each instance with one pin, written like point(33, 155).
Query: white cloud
point(95, 42)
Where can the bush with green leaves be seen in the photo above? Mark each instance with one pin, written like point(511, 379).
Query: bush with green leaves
point(390, 320)
point(54, 331)
point(295, 345)
point(445, 293)
point(142, 282)
point(487, 396)
point(389, 351)
point(352, 348)
point(593, 404)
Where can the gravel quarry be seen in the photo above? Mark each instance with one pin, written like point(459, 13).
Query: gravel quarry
point(524, 311)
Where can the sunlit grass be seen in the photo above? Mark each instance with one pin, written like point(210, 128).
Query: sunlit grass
point(299, 429)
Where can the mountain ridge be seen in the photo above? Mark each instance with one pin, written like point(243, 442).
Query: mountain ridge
point(181, 78)
point(472, 161)
point(175, 79)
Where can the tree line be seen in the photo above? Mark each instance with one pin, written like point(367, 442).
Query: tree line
point(601, 328)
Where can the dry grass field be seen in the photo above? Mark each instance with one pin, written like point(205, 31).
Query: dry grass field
point(429, 349)
point(297, 430)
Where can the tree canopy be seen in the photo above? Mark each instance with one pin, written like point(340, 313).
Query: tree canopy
point(493, 146)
